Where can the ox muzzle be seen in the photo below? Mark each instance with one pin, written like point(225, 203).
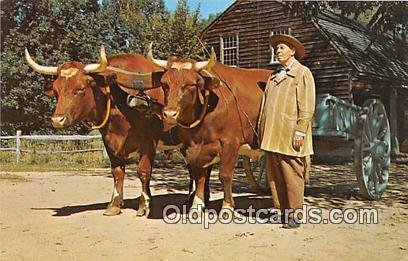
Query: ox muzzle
point(59, 122)
point(170, 116)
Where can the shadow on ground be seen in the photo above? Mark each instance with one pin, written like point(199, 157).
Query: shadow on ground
point(331, 186)
point(178, 201)
point(336, 185)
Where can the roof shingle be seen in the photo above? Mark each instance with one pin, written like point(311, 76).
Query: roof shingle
point(380, 57)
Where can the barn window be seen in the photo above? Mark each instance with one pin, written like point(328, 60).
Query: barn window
point(229, 49)
point(275, 32)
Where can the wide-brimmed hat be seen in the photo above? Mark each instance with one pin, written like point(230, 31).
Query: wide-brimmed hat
point(276, 39)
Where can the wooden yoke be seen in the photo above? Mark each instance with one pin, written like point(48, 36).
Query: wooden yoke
point(132, 80)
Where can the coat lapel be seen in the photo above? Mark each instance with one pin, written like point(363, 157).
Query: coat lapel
point(278, 78)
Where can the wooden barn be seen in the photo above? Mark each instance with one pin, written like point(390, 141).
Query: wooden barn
point(342, 56)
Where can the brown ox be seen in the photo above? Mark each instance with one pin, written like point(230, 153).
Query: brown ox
point(83, 95)
point(216, 108)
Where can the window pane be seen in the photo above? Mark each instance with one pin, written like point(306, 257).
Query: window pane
point(230, 49)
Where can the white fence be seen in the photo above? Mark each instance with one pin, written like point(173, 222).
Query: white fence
point(18, 150)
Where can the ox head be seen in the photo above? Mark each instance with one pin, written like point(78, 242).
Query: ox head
point(73, 88)
point(184, 83)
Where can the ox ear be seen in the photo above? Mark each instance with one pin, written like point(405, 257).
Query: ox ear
point(156, 78)
point(261, 85)
point(48, 90)
point(210, 81)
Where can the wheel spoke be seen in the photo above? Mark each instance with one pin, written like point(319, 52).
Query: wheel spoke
point(367, 165)
point(375, 177)
point(368, 129)
point(369, 174)
point(378, 125)
point(367, 148)
point(368, 132)
point(366, 159)
point(256, 173)
point(373, 141)
point(383, 178)
point(384, 130)
point(365, 139)
point(384, 165)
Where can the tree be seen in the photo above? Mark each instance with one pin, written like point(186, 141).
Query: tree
point(172, 33)
point(146, 20)
point(57, 31)
point(211, 17)
point(379, 16)
point(139, 16)
point(54, 32)
point(184, 27)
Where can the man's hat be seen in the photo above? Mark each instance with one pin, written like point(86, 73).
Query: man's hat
point(274, 40)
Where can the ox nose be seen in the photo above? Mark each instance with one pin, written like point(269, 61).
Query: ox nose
point(170, 115)
point(58, 122)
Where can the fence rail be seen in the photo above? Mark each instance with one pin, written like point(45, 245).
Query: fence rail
point(18, 137)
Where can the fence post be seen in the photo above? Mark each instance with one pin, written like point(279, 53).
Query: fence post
point(18, 144)
point(104, 153)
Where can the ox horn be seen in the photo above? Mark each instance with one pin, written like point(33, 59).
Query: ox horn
point(206, 64)
point(160, 63)
point(98, 67)
point(49, 70)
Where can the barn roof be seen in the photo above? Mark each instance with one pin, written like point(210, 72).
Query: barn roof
point(380, 57)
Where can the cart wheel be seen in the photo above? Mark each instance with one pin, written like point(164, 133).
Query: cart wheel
point(255, 171)
point(372, 150)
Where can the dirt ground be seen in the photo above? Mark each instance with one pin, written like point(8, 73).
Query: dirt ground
point(58, 216)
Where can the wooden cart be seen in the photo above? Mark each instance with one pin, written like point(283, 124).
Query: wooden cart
point(366, 128)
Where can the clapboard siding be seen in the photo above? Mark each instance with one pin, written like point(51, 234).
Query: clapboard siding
point(254, 20)
point(338, 52)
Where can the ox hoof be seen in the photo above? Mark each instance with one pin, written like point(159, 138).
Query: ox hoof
point(227, 211)
point(144, 206)
point(195, 214)
point(143, 212)
point(112, 211)
point(198, 204)
point(207, 199)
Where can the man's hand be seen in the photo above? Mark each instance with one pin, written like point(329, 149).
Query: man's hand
point(297, 141)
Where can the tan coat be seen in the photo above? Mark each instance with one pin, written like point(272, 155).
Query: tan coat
point(288, 106)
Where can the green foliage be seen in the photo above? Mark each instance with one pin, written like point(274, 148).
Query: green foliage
point(379, 16)
point(171, 33)
point(36, 153)
point(54, 32)
point(184, 29)
point(58, 31)
point(210, 19)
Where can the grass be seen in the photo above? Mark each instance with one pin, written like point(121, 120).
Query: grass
point(61, 162)
point(40, 162)
point(13, 178)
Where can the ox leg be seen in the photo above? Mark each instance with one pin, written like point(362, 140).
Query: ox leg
point(118, 172)
point(199, 195)
point(144, 172)
point(191, 184)
point(227, 166)
point(191, 189)
point(207, 186)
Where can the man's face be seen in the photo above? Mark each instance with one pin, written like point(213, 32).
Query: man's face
point(284, 52)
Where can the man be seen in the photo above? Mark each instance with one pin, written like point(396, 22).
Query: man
point(286, 129)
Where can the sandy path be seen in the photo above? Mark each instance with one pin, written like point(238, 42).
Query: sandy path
point(58, 216)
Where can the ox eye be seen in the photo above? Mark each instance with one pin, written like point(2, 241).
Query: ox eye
point(79, 91)
point(165, 87)
point(191, 86)
point(90, 81)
